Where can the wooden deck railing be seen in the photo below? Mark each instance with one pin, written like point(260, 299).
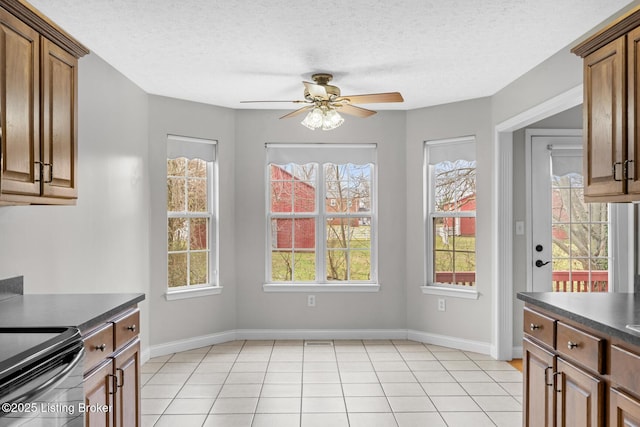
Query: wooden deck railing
point(578, 281)
point(563, 281)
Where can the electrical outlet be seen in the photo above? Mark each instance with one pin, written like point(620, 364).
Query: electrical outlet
point(442, 305)
point(311, 300)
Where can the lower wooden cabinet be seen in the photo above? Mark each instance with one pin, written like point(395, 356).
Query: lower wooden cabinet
point(624, 409)
point(127, 397)
point(539, 403)
point(112, 372)
point(568, 381)
point(579, 397)
point(98, 392)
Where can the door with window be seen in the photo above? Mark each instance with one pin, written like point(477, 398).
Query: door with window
point(570, 239)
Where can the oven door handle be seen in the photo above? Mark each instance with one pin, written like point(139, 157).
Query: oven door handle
point(53, 382)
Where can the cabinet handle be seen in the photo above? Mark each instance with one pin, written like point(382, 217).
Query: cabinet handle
point(571, 345)
point(101, 347)
point(625, 170)
point(121, 377)
point(50, 173)
point(114, 383)
point(558, 382)
point(548, 384)
point(534, 327)
point(614, 169)
point(131, 328)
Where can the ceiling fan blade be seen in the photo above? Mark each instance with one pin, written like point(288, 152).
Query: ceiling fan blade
point(356, 111)
point(297, 112)
point(373, 98)
point(316, 91)
point(296, 101)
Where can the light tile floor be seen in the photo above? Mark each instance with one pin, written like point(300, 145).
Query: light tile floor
point(355, 383)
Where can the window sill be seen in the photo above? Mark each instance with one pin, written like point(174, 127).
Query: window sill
point(192, 293)
point(316, 287)
point(450, 292)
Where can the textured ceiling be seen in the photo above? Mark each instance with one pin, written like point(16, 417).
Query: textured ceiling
point(222, 52)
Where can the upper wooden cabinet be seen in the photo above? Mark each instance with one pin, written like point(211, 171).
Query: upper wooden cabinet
point(611, 111)
point(38, 108)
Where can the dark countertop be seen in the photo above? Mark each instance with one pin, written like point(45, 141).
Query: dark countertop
point(608, 313)
point(83, 311)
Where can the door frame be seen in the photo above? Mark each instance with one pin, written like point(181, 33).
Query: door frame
point(529, 135)
point(502, 248)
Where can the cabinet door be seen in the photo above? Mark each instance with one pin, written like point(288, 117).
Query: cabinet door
point(538, 404)
point(580, 397)
point(59, 131)
point(99, 391)
point(624, 410)
point(19, 107)
point(604, 120)
point(127, 365)
point(633, 105)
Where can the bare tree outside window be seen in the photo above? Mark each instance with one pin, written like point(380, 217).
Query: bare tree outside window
point(580, 236)
point(453, 222)
point(343, 217)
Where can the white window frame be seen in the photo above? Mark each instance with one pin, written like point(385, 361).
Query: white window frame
point(340, 153)
point(182, 146)
point(429, 287)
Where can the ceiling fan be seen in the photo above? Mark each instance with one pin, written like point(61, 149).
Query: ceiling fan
point(324, 102)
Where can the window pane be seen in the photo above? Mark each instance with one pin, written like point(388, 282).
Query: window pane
point(175, 194)
point(281, 265)
point(443, 266)
point(348, 188)
point(337, 265)
point(198, 231)
point(197, 168)
point(304, 197)
point(360, 268)
point(176, 167)
point(177, 274)
point(305, 266)
point(282, 233)
point(198, 268)
point(454, 186)
point(305, 233)
point(292, 188)
point(599, 240)
point(455, 250)
point(360, 233)
point(177, 234)
point(197, 195)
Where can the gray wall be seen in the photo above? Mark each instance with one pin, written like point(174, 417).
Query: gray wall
point(263, 310)
point(194, 317)
point(463, 318)
point(102, 244)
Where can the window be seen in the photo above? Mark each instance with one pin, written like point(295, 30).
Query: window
point(450, 213)
point(321, 214)
point(191, 214)
point(580, 231)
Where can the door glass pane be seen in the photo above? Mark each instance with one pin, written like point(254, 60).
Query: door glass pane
point(580, 231)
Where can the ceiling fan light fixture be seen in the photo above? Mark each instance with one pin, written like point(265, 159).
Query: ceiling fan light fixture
point(325, 118)
point(332, 119)
point(314, 119)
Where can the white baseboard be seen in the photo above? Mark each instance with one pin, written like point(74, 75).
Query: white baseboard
point(321, 334)
point(451, 342)
point(298, 334)
point(191, 343)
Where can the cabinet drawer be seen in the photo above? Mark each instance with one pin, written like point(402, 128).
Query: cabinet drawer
point(625, 368)
point(98, 345)
point(126, 328)
point(540, 327)
point(584, 348)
